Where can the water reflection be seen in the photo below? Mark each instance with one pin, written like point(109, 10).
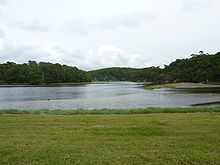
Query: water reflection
point(116, 95)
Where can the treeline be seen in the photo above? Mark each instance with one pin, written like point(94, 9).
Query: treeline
point(199, 68)
point(43, 72)
point(151, 74)
point(114, 74)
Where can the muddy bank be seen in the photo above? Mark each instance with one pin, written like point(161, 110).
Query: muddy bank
point(197, 86)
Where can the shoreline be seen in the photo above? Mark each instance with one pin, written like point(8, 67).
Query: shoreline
point(112, 111)
point(45, 84)
point(198, 86)
point(183, 85)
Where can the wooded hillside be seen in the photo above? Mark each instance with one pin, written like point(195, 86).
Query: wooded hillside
point(114, 74)
point(43, 72)
point(199, 68)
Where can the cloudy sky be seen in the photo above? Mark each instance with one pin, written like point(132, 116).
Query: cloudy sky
point(93, 34)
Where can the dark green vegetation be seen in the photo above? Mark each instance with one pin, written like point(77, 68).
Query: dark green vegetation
point(112, 111)
point(178, 138)
point(37, 73)
point(150, 74)
point(114, 74)
point(199, 68)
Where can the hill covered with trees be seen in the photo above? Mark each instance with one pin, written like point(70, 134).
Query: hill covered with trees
point(43, 72)
point(199, 68)
point(114, 74)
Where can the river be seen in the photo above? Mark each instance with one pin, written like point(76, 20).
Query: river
point(110, 95)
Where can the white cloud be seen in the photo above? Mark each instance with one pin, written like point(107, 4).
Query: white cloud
point(16, 52)
point(126, 20)
point(2, 34)
point(77, 26)
point(3, 2)
point(102, 57)
point(130, 20)
point(34, 25)
point(189, 5)
point(141, 33)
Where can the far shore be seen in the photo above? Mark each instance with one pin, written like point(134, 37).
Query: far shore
point(183, 85)
point(45, 84)
point(189, 86)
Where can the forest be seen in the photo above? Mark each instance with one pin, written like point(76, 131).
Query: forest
point(43, 72)
point(199, 68)
point(114, 74)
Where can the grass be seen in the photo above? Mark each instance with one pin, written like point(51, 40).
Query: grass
point(161, 138)
point(173, 85)
point(111, 111)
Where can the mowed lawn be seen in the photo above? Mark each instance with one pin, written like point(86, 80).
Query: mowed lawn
point(177, 138)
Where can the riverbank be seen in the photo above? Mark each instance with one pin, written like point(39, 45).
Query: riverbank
point(70, 83)
point(182, 86)
point(112, 111)
point(178, 138)
point(45, 84)
point(173, 85)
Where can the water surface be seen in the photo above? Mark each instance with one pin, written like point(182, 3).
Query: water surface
point(111, 95)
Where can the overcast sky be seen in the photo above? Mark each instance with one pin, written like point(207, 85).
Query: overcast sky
point(93, 34)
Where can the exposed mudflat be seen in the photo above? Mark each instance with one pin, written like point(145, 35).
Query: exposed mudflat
point(193, 86)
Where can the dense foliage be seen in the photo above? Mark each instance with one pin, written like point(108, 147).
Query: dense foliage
point(199, 68)
point(35, 73)
point(114, 74)
point(151, 74)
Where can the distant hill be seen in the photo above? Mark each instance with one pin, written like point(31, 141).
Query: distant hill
point(199, 68)
point(114, 74)
point(43, 72)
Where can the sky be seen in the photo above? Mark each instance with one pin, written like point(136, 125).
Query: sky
point(94, 34)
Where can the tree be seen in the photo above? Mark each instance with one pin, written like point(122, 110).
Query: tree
point(44, 72)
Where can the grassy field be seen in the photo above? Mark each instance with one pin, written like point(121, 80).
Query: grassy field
point(173, 85)
point(162, 138)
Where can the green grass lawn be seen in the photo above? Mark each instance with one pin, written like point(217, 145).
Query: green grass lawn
point(163, 138)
